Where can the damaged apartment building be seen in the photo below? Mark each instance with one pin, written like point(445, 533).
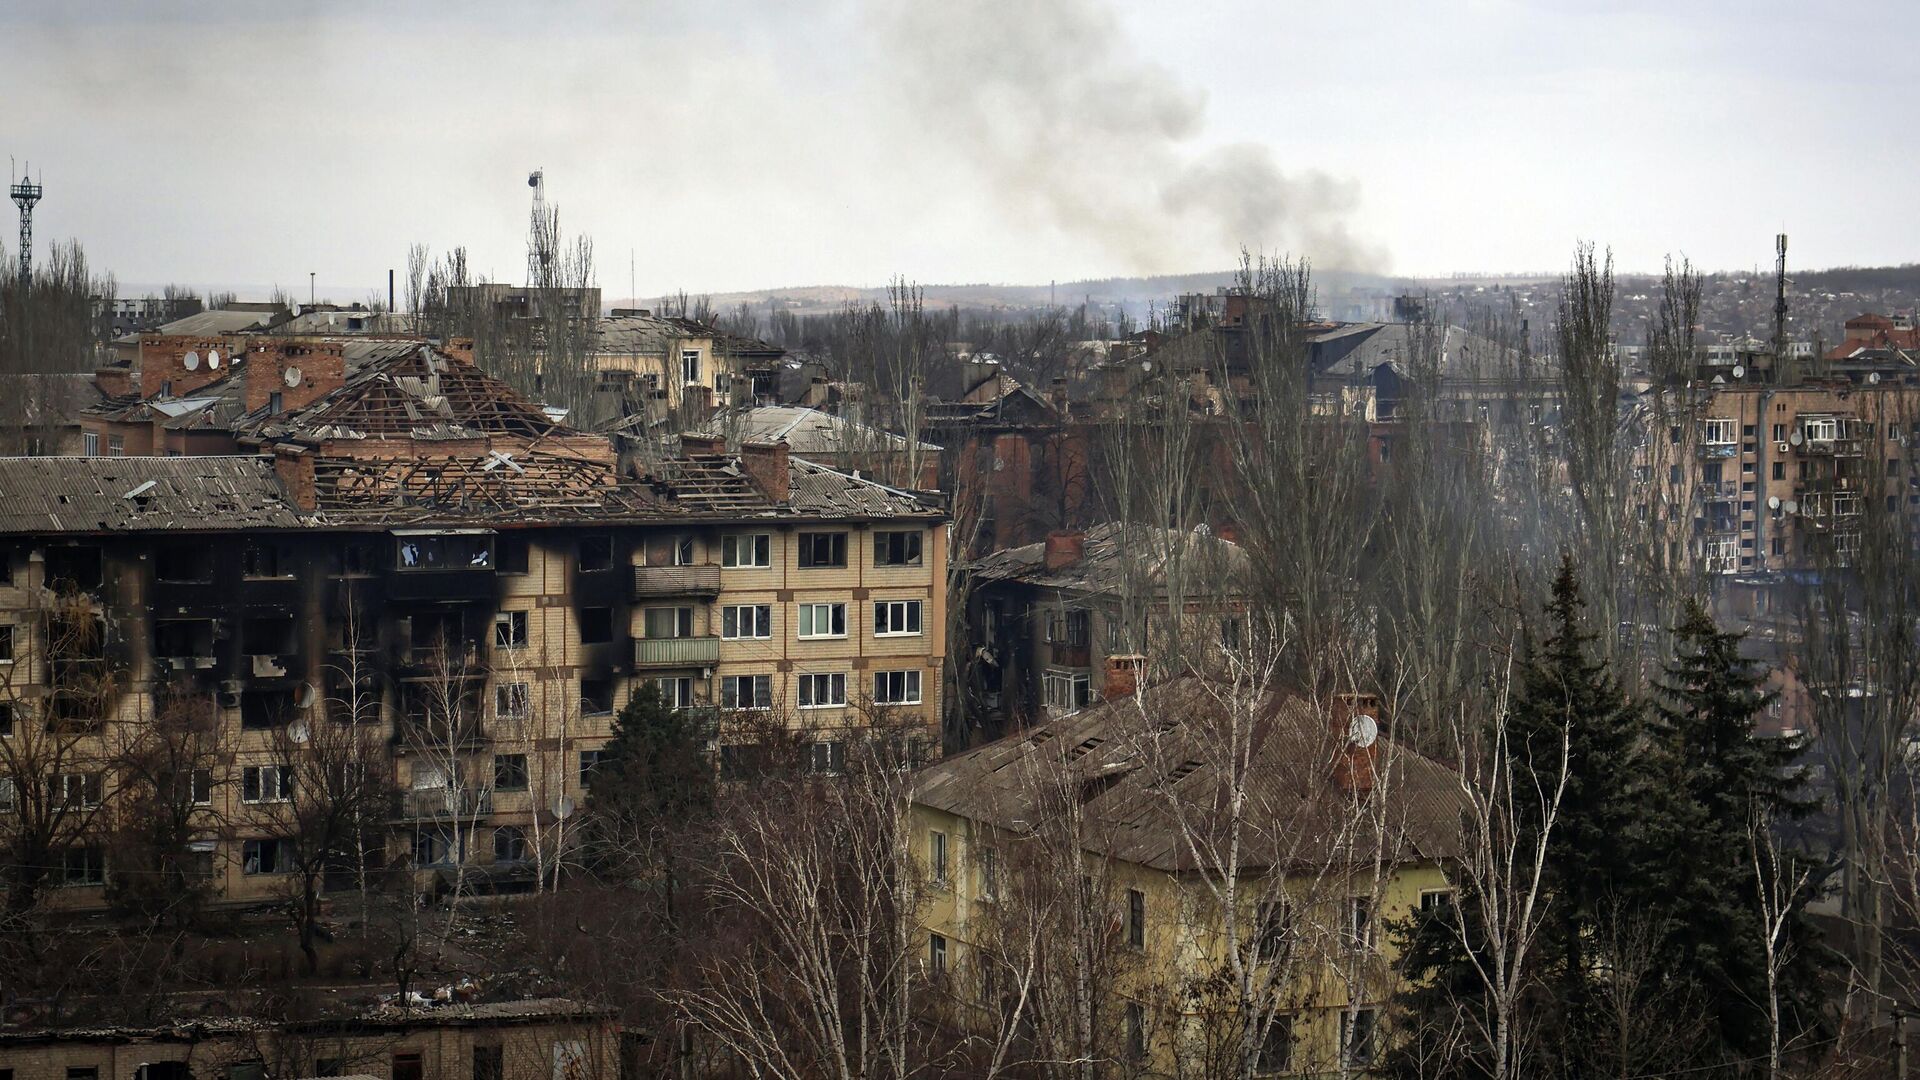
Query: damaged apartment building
point(386, 538)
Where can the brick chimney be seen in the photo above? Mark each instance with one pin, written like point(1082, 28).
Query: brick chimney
point(1122, 677)
point(766, 463)
point(699, 442)
point(181, 364)
point(1353, 764)
point(1065, 549)
point(295, 469)
point(300, 372)
point(114, 381)
point(459, 348)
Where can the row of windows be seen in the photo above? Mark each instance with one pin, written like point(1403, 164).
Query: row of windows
point(891, 618)
point(819, 690)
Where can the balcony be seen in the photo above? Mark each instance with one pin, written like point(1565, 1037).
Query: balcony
point(1719, 489)
point(1714, 451)
point(676, 652)
point(441, 804)
point(654, 581)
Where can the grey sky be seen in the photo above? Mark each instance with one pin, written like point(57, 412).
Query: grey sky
point(734, 145)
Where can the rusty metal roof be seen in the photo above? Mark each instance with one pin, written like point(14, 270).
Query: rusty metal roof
point(141, 494)
point(1141, 765)
point(1113, 551)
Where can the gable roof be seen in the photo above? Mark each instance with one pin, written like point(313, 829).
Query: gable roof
point(407, 389)
point(1138, 763)
point(808, 431)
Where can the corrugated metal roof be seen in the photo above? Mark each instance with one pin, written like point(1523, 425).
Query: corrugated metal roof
point(97, 495)
point(808, 431)
point(1112, 551)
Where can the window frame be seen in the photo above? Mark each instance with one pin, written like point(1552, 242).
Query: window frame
point(808, 689)
point(511, 773)
point(807, 555)
point(910, 687)
point(911, 542)
point(809, 612)
point(912, 613)
point(759, 614)
point(756, 545)
point(254, 778)
point(517, 626)
point(730, 692)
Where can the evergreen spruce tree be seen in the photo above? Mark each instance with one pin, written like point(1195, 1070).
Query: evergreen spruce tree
point(1717, 775)
point(651, 787)
point(1591, 853)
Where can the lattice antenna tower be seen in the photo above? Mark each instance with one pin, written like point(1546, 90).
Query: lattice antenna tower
point(25, 194)
point(539, 233)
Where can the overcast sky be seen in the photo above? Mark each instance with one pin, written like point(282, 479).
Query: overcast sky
point(729, 145)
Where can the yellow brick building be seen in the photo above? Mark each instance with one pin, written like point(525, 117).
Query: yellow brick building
point(1208, 933)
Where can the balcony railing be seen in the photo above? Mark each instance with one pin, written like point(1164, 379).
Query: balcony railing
point(442, 804)
point(1718, 450)
point(651, 581)
point(676, 652)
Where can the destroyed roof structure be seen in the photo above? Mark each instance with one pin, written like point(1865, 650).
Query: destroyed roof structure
point(1126, 787)
point(1103, 558)
point(406, 390)
point(142, 494)
point(810, 432)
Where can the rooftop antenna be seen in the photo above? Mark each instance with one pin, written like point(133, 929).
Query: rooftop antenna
point(25, 194)
point(1780, 301)
point(539, 240)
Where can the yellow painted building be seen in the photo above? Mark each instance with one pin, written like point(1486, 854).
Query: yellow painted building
point(477, 661)
point(1210, 935)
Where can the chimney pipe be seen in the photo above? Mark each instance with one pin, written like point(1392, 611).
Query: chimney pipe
point(1122, 676)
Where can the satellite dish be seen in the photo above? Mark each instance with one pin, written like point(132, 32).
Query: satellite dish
point(295, 310)
point(303, 697)
point(1773, 502)
point(1739, 371)
point(298, 733)
point(563, 807)
point(1873, 377)
point(1792, 506)
point(191, 361)
point(291, 376)
point(1362, 730)
point(1796, 438)
point(213, 358)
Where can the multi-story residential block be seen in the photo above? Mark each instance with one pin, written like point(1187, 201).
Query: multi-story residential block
point(1335, 834)
point(1045, 615)
point(425, 557)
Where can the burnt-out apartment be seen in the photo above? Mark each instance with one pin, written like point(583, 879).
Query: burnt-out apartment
point(423, 563)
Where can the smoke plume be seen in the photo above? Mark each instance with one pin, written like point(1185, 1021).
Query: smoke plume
point(1070, 121)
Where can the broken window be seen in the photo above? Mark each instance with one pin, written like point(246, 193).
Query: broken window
point(262, 857)
point(822, 550)
point(596, 552)
point(262, 709)
point(823, 620)
point(510, 630)
point(512, 551)
point(6, 644)
point(589, 760)
point(596, 696)
point(896, 549)
point(746, 621)
point(354, 557)
point(183, 562)
point(596, 624)
point(268, 635)
point(1066, 689)
point(510, 772)
point(896, 688)
point(79, 791)
point(510, 700)
point(259, 559)
point(460, 552)
point(827, 758)
point(73, 569)
point(895, 617)
point(690, 365)
point(822, 691)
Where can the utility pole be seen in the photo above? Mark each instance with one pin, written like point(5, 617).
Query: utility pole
point(310, 287)
point(25, 194)
point(1899, 1039)
point(1780, 361)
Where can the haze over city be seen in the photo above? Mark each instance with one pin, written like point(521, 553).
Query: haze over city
point(730, 146)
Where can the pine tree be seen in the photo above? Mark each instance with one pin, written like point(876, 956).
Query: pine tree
point(1718, 774)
